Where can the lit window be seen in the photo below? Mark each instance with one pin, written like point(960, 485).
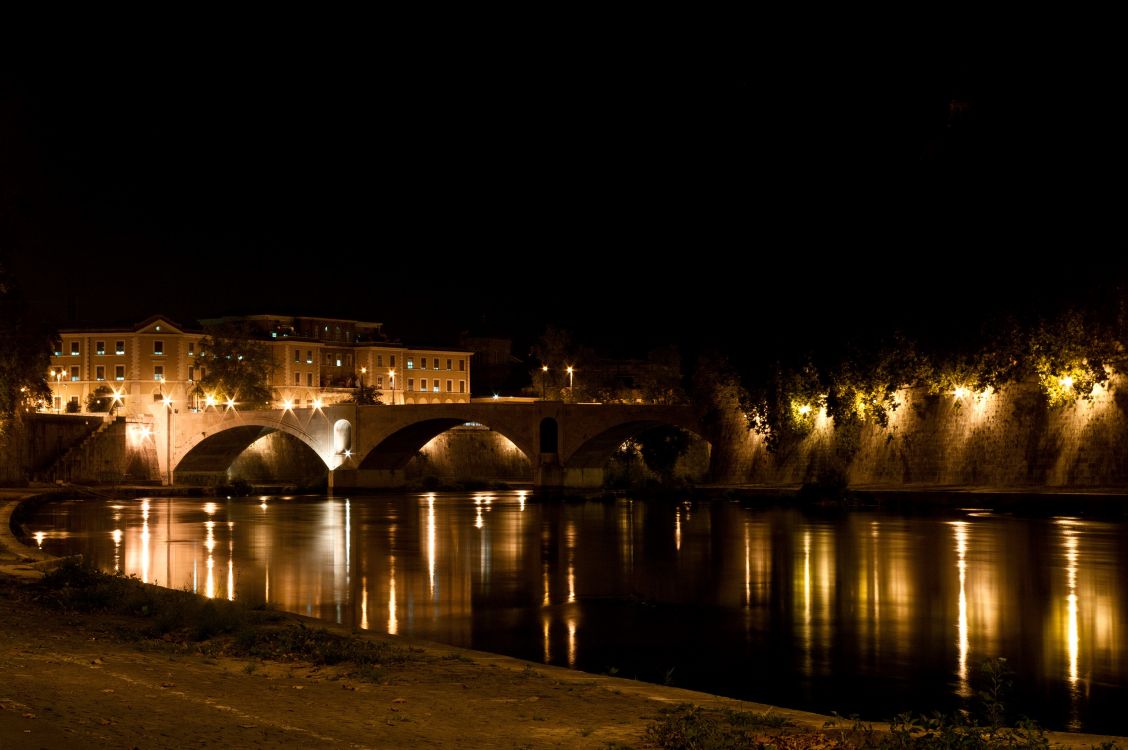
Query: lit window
point(191, 349)
point(58, 352)
point(75, 348)
point(100, 372)
point(338, 361)
point(119, 347)
point(119, 372)
point(410, 363)
point(100, 347)
point(158, 372)
point(435, 388)
point(309, 357)
point(74, 373)
point(158, 347)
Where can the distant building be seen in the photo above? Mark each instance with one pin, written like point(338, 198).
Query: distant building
point(315, 360)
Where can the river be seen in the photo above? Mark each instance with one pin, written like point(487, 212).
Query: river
point(863, 612)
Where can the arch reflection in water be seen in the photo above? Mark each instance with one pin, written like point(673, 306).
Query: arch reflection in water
point(838, 612)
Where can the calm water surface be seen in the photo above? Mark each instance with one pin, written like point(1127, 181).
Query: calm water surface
point(869, 613)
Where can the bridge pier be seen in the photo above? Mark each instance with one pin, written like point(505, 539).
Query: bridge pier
point(554, 475)
point(352, 479)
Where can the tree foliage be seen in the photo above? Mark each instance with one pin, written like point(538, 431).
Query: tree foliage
point(100, 399)
point(27, 352)
point(364, 395)
point(237, 366)
point(661, 447)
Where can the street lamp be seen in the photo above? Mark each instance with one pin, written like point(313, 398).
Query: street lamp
point(544, 378)
point(363, 372)
point(392, 376)
point(571, 393)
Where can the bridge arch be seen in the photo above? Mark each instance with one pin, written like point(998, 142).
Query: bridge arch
point(215, 448)
point(594, 452)
point(395, 450)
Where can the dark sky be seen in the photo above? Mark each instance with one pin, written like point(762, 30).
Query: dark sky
point(633, 192)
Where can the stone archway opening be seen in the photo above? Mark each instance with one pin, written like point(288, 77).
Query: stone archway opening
point(253, 453)
point(615, 457)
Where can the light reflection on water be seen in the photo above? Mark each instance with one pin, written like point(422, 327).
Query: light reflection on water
point(865, 612)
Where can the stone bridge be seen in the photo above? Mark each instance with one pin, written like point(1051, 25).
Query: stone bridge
point(369, 446)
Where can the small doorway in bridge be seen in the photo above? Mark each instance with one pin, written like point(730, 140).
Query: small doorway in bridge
point(549, 436)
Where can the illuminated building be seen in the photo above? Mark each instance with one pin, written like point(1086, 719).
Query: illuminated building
point(316, 361)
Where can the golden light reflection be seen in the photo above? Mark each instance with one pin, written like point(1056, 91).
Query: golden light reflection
point(521, 500)
point(959, 529)
point(209, 545)
point(547, 621)
point(39, 537)
point(393, 622)
point(545, 602)
point(677, 529)
point(364, 603)
point(145, 542)
point(431, 544)
point(116, 535)
point(747, 568)
point(572, 642)
point(1072, 636)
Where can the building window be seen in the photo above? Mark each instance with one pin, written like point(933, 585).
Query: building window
point(422, 363)
point(435, 388)
point(309, 379)
point(74, 373)
point(462, 386)
point(338, 361)
point(436, 363)
point(391, 360)
point(100, 372)
point(297, 355)
point(119, 347)
point(379, 360)
point(100, 347)
point(58, 351)
point(309, 357)
point(191, 348)
point(411, 363)
point(297, 378)
point(423, 384)
point(119, 372)
point(448, 365)
point(462, 365)
point(379, 382)
point(75, 348)
point(191, 373)
point(411, 384)
point(450, 386)
point(158, 347)
point(158, 372)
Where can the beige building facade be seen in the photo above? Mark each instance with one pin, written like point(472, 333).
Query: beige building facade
point(316, 361)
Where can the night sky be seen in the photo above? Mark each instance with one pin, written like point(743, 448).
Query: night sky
point(744, 193)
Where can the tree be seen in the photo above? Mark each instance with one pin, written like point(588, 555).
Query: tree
point(27, 352)
point(661, 447)
point(365, 395)
point(100, 400)
point(238, 367)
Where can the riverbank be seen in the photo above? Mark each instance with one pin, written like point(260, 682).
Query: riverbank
point(77, 678)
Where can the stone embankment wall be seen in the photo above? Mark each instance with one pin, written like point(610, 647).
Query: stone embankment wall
point(70, 448)
point(1006, 439)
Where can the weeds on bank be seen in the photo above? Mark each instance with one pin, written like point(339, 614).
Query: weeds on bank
point(73, 587)
point(686, 727)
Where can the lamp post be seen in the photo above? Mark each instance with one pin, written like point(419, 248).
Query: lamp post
point(571, 393)
point(363, 372)
point(392, 377)
point(544, 378)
